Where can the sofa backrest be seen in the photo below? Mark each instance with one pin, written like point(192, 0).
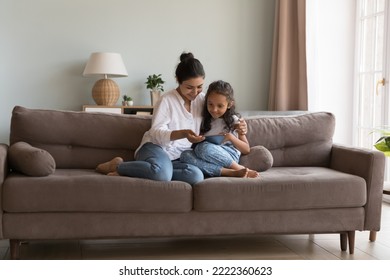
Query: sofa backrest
point(85, 139)
point(79, 139)
point(300, 140)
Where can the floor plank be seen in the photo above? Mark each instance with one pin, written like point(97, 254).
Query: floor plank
point(307, 249)
point(4, 247)
point(193, 249)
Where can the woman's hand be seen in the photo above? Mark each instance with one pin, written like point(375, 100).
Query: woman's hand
point(241, 127)
point(186, 133)
point(193, 137)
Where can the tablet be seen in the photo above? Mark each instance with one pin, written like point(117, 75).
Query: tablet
point(215, 139)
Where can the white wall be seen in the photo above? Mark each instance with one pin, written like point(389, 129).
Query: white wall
point(331, 41)
point(46, 43)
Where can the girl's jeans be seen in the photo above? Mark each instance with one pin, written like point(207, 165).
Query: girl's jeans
point(211, 158)
point(153, 163)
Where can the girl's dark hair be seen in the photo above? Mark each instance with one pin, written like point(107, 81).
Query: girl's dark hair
point(224, 88)
point(188, 68)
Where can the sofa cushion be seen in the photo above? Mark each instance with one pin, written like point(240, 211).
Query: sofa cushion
point(302, 140)
point(282, 188)
point(30, 160)
point(78, 190)
point(79, 139)
point(259, 159)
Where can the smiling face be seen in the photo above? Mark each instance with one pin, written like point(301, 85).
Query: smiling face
point(190, 89)
point(217, 104)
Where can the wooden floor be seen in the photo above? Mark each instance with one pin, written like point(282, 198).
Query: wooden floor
point(267, 247)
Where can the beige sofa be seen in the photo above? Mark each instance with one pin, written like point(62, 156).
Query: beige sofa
point(51, 190)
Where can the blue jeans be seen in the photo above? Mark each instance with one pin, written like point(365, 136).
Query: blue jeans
point(211, 158)
point(153, 163)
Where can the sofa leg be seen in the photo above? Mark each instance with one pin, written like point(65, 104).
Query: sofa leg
point(343, 241)
point(351, 241)
point(15, 249)
point(372, 235)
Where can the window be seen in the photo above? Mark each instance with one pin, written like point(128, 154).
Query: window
point(371, 105)
point(372, 68)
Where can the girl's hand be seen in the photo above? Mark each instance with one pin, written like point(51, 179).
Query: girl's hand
point(241, 143)
point(228, 137)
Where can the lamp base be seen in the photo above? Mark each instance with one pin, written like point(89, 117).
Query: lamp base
point(105, 92)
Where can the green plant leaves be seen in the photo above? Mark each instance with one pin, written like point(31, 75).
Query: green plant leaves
point(127, 98)
point(154, 82)
point(383, 143)
point(383, 147)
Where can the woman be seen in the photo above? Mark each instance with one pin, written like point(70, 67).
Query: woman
point(175, 126)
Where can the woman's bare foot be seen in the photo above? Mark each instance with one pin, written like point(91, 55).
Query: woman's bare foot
point(109, 166)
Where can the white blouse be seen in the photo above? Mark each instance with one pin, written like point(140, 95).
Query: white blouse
point(170, 114)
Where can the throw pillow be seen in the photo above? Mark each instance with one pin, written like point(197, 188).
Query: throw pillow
point(30, 160)
point(259, 159)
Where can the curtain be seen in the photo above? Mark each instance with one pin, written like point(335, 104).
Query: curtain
point(288, 86)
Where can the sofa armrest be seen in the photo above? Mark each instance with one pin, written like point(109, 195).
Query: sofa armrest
point(370, 165)
point(3, 163)
point(3, 174)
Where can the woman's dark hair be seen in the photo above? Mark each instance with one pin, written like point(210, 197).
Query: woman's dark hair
point(188, 68)
point(225, 89)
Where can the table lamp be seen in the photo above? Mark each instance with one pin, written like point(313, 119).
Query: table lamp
point(105, 91)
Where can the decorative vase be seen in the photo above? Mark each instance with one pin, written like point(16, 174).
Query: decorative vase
point(127, 103)
point(155, 96)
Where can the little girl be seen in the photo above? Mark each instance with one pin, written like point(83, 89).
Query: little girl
point(219, 118)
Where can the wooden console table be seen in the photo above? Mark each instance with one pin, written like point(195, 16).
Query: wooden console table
point(133, 110)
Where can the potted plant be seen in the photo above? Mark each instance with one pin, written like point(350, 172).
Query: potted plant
point(383, 143)
point(127, 100)
point(155, 84)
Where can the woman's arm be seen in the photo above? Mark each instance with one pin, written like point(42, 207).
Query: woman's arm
point(159, 130)
point(168, 123)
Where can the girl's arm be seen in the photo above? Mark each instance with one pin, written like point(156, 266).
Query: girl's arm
point(241, 143)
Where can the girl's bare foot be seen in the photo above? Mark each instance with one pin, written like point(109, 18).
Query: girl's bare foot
point(234, 173)
point(113, 174)
point(109, 166)
point(253, 174)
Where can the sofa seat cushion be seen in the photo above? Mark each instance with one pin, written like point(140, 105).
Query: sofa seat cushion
point(282, 188)
point(84, 190)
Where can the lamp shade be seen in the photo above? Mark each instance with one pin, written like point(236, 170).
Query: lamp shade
point(107, 64)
